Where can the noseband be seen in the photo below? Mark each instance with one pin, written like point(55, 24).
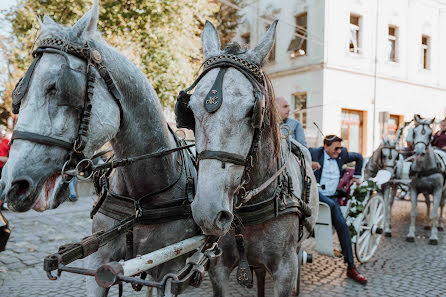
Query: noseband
point(94, 59)
point(423, 132)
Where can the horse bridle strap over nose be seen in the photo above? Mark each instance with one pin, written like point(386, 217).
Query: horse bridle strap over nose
point(224, 157)
point(41, 139)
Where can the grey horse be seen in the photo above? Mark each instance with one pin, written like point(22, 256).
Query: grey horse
point(427, 173)
point(29, 176)
point(271, 245)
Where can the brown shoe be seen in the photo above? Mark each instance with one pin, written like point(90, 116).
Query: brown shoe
point(356, 276)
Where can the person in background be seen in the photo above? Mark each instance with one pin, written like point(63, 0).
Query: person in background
point(4, 150)
point(297, 131)
point(439, 139)
point(327, 163)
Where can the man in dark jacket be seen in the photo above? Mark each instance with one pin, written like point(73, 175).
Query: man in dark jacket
point(327, 163)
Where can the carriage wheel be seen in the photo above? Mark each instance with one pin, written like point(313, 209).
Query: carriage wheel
point(370, 229)
point(296, 289)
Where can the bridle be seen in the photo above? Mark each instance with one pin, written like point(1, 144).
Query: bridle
point(94, 59)
point(213, 101)
point(390, 156)
point(423, 132)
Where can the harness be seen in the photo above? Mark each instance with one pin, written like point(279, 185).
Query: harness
point(283, 200)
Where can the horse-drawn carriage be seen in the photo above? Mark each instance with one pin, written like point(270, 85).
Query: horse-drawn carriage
point(138, 203)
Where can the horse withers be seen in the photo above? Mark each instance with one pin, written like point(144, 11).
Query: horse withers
point(70, 98)
point(247, 178)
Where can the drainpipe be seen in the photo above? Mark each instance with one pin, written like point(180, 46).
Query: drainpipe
point(375, 76)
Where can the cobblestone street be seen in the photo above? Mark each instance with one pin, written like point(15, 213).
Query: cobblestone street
point(397, 269)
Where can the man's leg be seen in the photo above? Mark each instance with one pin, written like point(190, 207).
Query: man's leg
point(341, 229)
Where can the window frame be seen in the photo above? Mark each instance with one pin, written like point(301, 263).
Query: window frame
point(395, 40)
point(425, 52)
point(303, 46)
point(355, 31)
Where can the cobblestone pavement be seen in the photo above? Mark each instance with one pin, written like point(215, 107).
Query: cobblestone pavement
point(397, 269)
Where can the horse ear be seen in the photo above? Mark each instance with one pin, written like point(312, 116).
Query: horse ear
point(432, 121)
point(210, 40)
point(262, 49)
point(88, 23)
point(417, 118)
point(48, 20)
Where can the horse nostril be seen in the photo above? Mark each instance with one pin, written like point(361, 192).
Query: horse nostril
point(224, 218)
point(22, 187)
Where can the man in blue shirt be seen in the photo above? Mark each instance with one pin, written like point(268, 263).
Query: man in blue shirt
point(297, 131)
point(327, 163)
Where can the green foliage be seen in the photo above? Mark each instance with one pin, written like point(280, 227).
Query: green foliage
point(357, 204)
point(228, 18)
point(161, 37)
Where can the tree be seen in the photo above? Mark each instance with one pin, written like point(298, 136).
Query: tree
point(228, 18)
point(161, 37)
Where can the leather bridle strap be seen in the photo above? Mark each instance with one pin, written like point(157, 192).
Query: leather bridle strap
point(41, 139)
point(224, 157)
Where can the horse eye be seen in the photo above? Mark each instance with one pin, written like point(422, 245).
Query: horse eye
point(50, 89)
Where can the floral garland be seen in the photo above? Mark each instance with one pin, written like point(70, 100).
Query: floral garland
point(357, 204)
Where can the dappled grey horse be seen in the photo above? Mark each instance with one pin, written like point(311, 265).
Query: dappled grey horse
point(125, 110)
point(385, 157)
point(427, 174)
point(238, 147)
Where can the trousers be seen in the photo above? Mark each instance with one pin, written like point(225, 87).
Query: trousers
point(341, 228)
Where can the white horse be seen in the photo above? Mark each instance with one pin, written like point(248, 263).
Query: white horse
point(224, 138)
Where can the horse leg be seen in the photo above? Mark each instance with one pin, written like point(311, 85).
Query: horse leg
point(260, 275)
point(413, 215)
point(112, 251)
point(434, 234)
point(219, 275)
point(440, 218)
point(387, 211)
point(285, 275)
point(428, 224)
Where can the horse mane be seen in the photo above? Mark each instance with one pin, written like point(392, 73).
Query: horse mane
point(272, 114)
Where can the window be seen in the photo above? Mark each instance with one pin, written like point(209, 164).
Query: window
point(272, 53)
point(393, 125)
point(353, 130)
point(246, 39)
point(298, 45)
point(393, 43)
point(300, 108)
point(425, 52)
point(355, 34)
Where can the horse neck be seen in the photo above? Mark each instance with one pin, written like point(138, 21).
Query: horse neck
point(264, 166)
point(143, 130)
point(425, 162)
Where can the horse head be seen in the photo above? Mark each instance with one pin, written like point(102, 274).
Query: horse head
point(51, 110)
point(228, 106)
point(389, 154)
point(422, 134)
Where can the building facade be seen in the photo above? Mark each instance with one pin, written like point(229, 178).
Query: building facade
point(355, 68)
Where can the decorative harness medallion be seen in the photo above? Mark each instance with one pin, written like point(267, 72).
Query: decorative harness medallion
point(213, 102)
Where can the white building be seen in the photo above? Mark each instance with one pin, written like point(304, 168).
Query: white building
point(361, 61)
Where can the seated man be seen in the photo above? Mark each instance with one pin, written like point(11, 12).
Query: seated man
point(439, 139)
point(327, 163)
point(297, 131)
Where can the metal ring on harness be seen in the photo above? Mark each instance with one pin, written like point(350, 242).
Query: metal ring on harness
point(80, 174)
point(179, 131)
point(288, 128)
point(64, 174)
